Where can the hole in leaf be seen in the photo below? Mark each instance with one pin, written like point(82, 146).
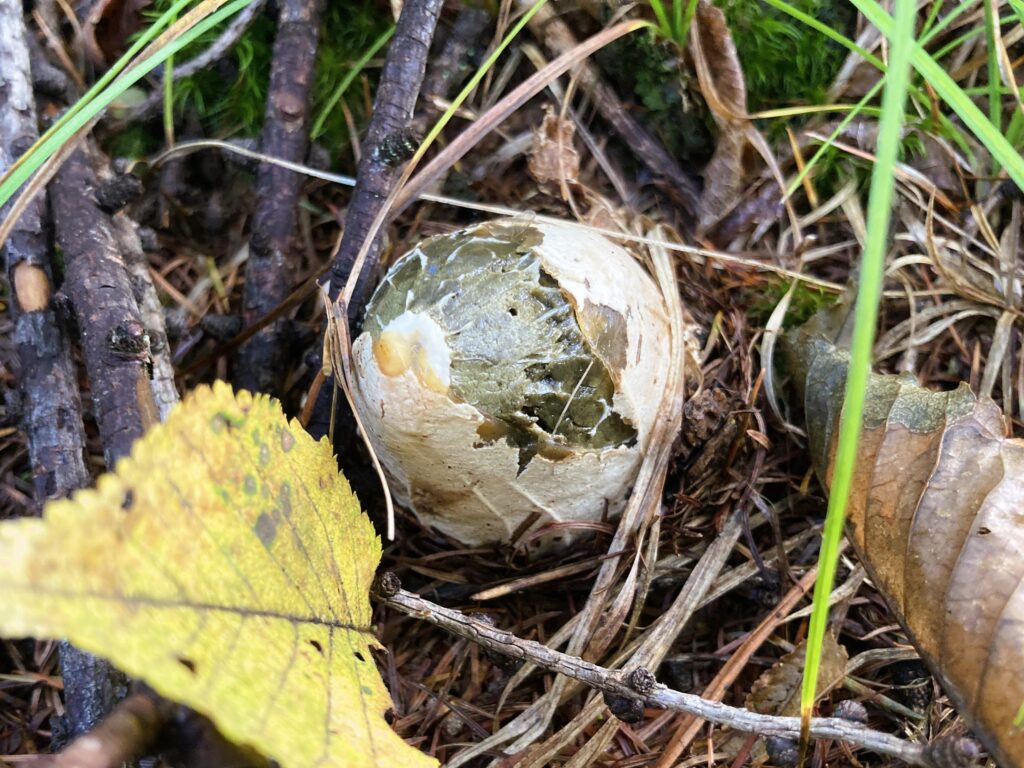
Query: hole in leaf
point(358, 655)
point(513, 311)
point(186, 663)
point(983, 531)
point(128, 500)
point(319, 648)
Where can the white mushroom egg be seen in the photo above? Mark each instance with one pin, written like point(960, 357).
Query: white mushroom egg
point(508, 377)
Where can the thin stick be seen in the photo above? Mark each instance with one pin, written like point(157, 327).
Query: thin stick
point(688, 727)
point(261, 362)
point(655, 694)
point(756, 264)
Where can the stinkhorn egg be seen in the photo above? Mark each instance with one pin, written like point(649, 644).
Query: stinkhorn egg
point(508, 376)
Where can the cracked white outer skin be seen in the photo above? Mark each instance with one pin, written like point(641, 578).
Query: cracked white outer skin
point(468, 488)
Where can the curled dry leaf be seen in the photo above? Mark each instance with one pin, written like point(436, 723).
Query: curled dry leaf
point(718, 66)
point(937, 515)
point(721, 82)
point(553, 158)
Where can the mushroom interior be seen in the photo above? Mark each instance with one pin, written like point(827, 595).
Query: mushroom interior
point(517, 353)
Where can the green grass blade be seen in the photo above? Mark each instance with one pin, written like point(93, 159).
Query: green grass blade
point(664, 24)
point(87, 111)
point(474, 81)
point(350, 76)
point(901, 35)
point(982, 128)
point(857, 109)
point(995, 105)
point(1018, 10)
point(1018, 719)
point(168, 100)
point(157, 27)
point(684, 26)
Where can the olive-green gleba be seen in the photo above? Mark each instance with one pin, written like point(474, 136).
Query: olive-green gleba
point(512, 372)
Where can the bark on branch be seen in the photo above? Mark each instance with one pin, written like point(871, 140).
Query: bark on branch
point(52, 409)
point(115, 341)
point(400, 81)
point(393, 107)
point(261, 361)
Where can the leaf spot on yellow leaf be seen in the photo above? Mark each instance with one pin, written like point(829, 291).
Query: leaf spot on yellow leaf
point(266, 528)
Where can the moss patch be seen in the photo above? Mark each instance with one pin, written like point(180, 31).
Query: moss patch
point(785, 62)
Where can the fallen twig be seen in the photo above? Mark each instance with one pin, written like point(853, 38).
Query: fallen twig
point(260, 364)
point(122, 737)
point(142, 722)
point(638, 685)
point(115, 346)
point(393, 106)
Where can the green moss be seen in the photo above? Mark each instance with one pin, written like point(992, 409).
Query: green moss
point(230, 98)
point(784, 61)
point(135, 140)
point(807, 301)
point(650, 67)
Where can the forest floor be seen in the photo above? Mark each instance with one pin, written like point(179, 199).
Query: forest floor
point(695, 140)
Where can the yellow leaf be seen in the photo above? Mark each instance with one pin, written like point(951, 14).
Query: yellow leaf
point(228, 564)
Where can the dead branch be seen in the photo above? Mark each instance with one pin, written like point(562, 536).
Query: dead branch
point(53, 412)
point(393, 106)
point(260, 364)
point(52, 409)
point(141, 724)
point(161, 379)
point(400, 81)
point(123, 736)
point(116, 349)
point(115, 342)
point(115, 346)
point(641, 686)
point(449, 69)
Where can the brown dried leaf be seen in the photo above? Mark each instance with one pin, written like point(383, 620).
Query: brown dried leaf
point(720, 77)
point(108, 27)
point(777, 691)
point(718, 66)
point(553, 158)
point(937, 515)
point(725, 177)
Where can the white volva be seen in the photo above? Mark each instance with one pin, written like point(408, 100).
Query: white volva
point(443, 462)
